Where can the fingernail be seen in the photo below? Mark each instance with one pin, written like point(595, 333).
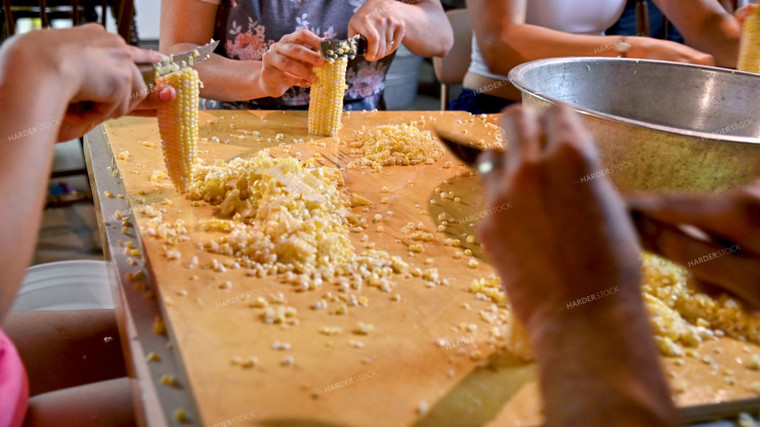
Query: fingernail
point(165, 95)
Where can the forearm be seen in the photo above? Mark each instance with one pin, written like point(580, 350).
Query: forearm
point(226, 79)
point(519, 43)
point(719, 37)
point(705, 26)
point(603, 353)
point(30, 114)
point(428, 32)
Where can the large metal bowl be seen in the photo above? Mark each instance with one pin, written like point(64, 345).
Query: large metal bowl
point(658, 125)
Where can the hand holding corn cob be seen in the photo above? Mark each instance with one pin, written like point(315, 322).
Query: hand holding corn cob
point(382, 23)
point(730, 216)
point(289, 62)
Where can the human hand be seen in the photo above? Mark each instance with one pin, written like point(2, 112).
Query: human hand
point(290, 62)
point(382, 24)
point(98, 74)
point(664, 50)
point(148, 107)
point(559, 240)
point(742, 13)
point(98, 70)
point(733, 216)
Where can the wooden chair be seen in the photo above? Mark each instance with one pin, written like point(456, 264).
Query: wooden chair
point(79, 11)
point(450, 69)
point(642, 18)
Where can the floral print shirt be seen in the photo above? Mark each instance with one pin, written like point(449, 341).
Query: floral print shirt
point(246, 29)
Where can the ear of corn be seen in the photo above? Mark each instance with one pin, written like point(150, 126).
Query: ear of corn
point(749, 47)
point(178, 126)
point(326, 105)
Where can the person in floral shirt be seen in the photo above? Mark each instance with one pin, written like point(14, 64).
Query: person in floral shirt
point(268, 48)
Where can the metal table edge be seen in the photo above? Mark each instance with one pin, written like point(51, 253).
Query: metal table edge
point(136, 310)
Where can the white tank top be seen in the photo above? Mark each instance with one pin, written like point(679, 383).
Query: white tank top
point(571, 16)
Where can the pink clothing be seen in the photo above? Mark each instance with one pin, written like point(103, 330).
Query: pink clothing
point(14, 389)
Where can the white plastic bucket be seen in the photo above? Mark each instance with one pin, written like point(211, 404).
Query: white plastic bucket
point(65, 285)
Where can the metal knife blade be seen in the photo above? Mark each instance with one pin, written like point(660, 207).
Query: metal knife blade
point(462, 149)
point(335, 49)
point(176, 62)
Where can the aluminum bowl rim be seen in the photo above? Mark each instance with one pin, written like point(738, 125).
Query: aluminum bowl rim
point(516, 77)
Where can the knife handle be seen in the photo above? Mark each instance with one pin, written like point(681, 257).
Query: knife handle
point(148, 72)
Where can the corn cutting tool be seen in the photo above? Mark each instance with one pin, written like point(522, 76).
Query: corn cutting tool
point(176, 62)
point(648, 228)
point(351, 48)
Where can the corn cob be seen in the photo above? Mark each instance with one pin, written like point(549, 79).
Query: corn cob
point(178, 126)
point(326, 104)
point(749, 47)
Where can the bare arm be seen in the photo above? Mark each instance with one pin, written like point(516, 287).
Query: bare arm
point(707, 26)
point(602, 353)
point(505, 40)
point(51, 91)
point(428, 32)
point(33, 97)
point(223, 78)
point(596, 358)
point(421, 25)
point(286, 64)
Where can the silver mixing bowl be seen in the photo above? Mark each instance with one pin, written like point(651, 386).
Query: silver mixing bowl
point(658, 125)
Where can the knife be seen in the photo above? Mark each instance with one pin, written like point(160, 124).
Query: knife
point(648, 228)
point(176, 62)
point(336, 49)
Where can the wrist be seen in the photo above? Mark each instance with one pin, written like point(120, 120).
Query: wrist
point(623, 46)
point(640, 47)
point(260, 87)
point(607, 352)
point(609, 323)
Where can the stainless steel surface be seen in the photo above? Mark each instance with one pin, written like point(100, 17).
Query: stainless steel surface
point(680, 126)
point(330, 48)
point(136, 301)
point(466, 151)
point(184, 59)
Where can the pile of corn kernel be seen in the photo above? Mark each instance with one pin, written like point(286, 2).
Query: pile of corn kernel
point(680, 315)
point(683, 317)
point(285, 216)
point(386, 145)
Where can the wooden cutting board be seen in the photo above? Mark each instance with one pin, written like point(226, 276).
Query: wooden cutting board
point(401, 376)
